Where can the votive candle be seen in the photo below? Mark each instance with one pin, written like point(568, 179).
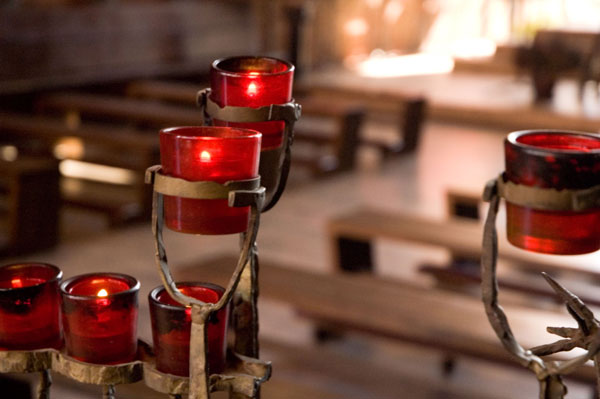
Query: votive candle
point(100, 312)
point(171, 328)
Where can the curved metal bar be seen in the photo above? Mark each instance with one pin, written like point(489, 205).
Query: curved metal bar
point(108, 392)
point(160, 255)
point(256, 197)
point(489, 286)
point(548, 373)
point(43, 390)
point(285, 167)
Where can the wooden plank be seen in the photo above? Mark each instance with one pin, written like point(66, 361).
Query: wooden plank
point(530, 285)
point(126, 109)
point(170, 91)
point(435, 319)
point(50, 130)
point(461, 237)
point(380, 99)
point(50, 47)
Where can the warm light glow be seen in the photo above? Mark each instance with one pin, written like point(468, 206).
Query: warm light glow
point(205, 156)
point(254, 73)
point(102, 173)
point(374, 3)
point(387, 66)
point(356, 27)
point(476, 47)
point(16, 282)
point(69, 147)
point(9, 153)
point(393, 11)
point(251, 89)
point(102, 293)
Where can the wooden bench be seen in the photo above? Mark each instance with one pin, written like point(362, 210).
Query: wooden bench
point(452, 323)
point(102, 144)
point(31, 202)
point(482, 113)
point(411, 110)
point(351, 236)
point(141, 113)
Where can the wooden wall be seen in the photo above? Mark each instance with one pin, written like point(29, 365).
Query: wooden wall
point(51, 46)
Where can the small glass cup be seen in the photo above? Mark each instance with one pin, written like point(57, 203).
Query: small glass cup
point(559, 160)
point(100, 312)
point(171, 328)
point(218, 154)
point(253, 82)
point(29, 306)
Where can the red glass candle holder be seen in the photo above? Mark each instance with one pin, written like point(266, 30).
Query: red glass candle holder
point(29, 306)
point(253, 82)
point(559, 160)
point(171, 326)
point(218, 154)
point(100, 317)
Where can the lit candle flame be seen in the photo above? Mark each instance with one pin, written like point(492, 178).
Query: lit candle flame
point(102, 292)
point(16, 282)
point(254, 73)
point(205, 156)
point(252, 89)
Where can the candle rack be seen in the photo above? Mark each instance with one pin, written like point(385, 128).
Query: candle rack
point(274, 164)
point(244, 372)
point(587, 335)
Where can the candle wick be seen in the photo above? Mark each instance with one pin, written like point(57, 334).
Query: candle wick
point(252, 89)
point(205, 156)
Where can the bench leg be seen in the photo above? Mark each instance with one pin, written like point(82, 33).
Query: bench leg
point(411, 124)
point(348, 140)
point(354, 255)
point(448, 365)
point(326, 333)
point(34, 218)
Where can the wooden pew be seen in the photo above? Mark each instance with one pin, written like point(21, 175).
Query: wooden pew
point(31, 202)
point(385, 100)
point(342, 142)
point(452, 323)
point(351, 234)
point(118, 109)
point(103, 144)
point(411, 110)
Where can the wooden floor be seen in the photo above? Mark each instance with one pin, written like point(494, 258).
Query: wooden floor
point(294, 234)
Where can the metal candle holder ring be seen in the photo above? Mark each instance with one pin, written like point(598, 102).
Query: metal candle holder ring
point(44, 360)
point(587, 336)
point(289, 113)
point(242, 288)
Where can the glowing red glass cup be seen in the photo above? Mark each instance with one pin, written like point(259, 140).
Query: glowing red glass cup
point(218, 154)
point(253, 82)
point(100, 313)
point(29, 307)
point(171, 327)
point(559, 160)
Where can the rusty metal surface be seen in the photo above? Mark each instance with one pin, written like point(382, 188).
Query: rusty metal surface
point(169, 185)
point(97, 374)
point(25, 361)
point(548, 372)
point(549, 199)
